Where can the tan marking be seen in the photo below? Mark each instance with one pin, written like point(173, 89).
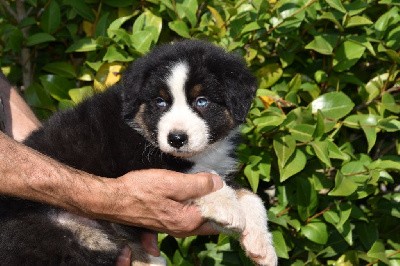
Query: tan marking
point(165, 95)
point(139, 124)
point(196, 91)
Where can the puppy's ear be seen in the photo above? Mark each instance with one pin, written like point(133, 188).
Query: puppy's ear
point(131, 84)
point(240, 89)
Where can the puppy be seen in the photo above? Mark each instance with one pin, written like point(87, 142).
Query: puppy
point(177, 108)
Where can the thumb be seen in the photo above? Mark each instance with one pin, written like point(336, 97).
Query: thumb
point(194, 186)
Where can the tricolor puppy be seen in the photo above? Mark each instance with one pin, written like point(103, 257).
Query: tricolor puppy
point(176, 108)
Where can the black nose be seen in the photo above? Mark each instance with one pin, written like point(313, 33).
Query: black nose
point(177, 139)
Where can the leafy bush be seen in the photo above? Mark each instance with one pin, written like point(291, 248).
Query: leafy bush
point(321, 143)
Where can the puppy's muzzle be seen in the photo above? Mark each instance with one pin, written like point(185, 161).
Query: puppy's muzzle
point(177, 139)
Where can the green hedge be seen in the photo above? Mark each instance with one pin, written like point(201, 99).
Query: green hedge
point(321, 143)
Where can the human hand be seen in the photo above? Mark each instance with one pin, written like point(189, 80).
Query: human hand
point(157, 199)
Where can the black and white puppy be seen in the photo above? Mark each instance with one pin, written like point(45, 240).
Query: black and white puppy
point(177, 108)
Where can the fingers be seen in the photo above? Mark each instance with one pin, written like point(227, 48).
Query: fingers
point(191, 186)
point(204, 229)
point(150, 243)
point(124, 259)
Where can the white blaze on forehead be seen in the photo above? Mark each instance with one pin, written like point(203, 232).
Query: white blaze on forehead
point(176, 82)
point(180, 117)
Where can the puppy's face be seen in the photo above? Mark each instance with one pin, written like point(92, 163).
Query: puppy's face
point(183, 105)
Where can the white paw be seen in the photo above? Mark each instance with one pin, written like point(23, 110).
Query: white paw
point(258, 247)
point(256, 240)
point(222, 208)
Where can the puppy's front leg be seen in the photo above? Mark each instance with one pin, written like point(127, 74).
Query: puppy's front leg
point(256, 240)
point(223, 209)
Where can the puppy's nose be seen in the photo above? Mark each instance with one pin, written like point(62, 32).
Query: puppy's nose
point(177, 139)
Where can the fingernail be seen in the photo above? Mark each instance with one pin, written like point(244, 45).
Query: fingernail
point(218, 184)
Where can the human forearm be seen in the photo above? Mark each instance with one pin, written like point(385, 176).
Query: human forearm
point(28, 174)
point(155, 199)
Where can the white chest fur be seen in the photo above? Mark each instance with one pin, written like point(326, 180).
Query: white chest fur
point(217, 158)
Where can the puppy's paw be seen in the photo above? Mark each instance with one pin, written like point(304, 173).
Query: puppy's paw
point(258, 247)
point(222, 208)
point(256, 240)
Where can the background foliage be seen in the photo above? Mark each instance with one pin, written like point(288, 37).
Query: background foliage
point(321, 144)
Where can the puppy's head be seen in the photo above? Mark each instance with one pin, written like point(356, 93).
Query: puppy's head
point(185, 96)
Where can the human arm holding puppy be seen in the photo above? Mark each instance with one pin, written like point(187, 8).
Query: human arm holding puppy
point(133, 199)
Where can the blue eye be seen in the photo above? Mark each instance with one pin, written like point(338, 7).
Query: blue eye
point(201, 102)
point(160, 102)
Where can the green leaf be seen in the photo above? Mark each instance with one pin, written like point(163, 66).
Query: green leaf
point(335, 152)
point(114, 53)
point(344, 211)
point(119, 3)
point(116, 24)
point(386, 20)
point(347, 55)
point(63, 69)
point(142, 41)
point(280, 245)
point(334, 105)
point(316, 231)
point(296, 163)
point(306, 198)
point(370, 134)
point(302, 132)
point(83, 45)
point(356, 7)
point(150, 22)
point(390, 163)
point(253, 176)
point(368, 123)
point(332, 18)
point(269, 75)
point(219, 21)
point(323, 44)
point(39, 38)
point(377, 251)
point(344, 186)
point(38, 97)
point(56, 86)
point(336, 4)
point(180, 28)
point(82, 9)
point(252, 26)
point(393, 39)
point(65, 104)
point(321, 150)
point(389, 124)
point(188, 9)
point(12, 38)
point(102, 25)
point(361, 120)
point(319, 126)
point(374, 86)
point(340, 219)
point(389, 103)
point(268, 121)
point(284, 147)
point(331, 217)
point(357, 21)
point(51, 18)
point(367, 233)
point(80, 94)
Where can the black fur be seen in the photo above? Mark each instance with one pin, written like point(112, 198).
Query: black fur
point(97, 137)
